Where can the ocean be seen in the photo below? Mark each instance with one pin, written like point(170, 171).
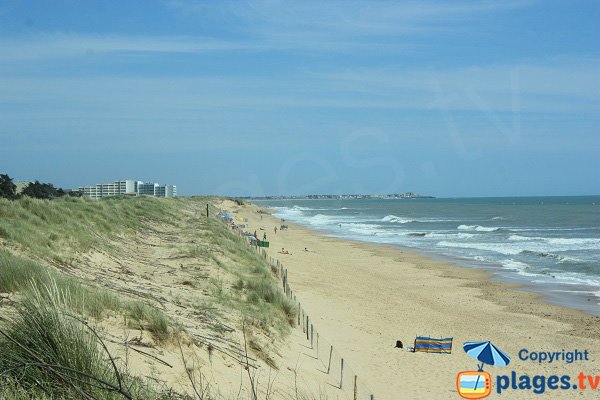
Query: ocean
point(550, 244)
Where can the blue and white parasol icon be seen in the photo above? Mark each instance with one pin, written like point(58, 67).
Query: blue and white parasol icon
point(487, 353)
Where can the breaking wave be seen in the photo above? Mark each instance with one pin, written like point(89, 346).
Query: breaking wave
point(400, 220)
point(477, 228)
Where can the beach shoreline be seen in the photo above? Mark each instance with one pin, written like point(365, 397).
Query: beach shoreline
point(365, 296)
point(553, 285)
point(494, 272)
point(485, 270)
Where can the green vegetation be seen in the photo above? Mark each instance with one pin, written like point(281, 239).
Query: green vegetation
point(256, 293)
point(19, 274)
point(58, 228)
point(7, 188)
point(46, 352)
point(36, 190)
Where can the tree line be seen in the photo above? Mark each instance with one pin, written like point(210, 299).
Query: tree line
point(35, 189)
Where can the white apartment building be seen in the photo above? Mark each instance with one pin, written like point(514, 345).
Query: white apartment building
point(128, 187)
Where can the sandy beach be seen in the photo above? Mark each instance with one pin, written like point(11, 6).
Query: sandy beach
point(363, 297)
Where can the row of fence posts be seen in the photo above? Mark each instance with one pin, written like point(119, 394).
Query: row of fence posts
point(305, 322)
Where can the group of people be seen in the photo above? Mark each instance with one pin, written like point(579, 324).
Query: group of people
point(264, 236)
point(283, 250)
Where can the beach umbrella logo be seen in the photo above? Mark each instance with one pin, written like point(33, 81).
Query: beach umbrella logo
point(486, 353)
point(478, 384)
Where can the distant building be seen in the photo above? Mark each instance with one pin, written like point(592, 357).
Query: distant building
point(148, 189)
point(128, 188)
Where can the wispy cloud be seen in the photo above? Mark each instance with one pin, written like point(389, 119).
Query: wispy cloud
point(272, 25)
point(348, 17)
point(561, 84)
point(557, 86)
point(49, 46)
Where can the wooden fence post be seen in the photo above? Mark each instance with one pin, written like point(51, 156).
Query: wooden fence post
point(330, 354)
point(317, 345)
point(342, 374)
point(311, 336)
point(355, 388)
point(283, 280)
point(307, 327)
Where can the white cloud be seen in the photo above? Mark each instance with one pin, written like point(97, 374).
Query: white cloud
point(273, 25)
point(557, 86)
point(50, 46)
point(344, 17)
point(561, 84)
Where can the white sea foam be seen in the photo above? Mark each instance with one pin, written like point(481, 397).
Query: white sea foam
point(444, 235)
point(497, 218)
point(520, 267)
point(595, 243)
point(366, 229)
point(314, 209)
point(534, 228)
point(567, 259)
point(520, 238)
point(321, 219)
point(573, 278)
point(501, 248)
point(586, 242)
point(302, 208)
point(403, 220)
point(477, 228)
point(400, 220)
point(287, 212)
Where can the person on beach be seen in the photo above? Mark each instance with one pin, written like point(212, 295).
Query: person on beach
point(265, 236)
point(255, 235)
point(275, 229)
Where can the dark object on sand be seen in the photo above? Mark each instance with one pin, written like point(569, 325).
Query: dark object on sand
point(399, 344)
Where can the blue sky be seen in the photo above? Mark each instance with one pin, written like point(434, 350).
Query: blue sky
point(461, 98)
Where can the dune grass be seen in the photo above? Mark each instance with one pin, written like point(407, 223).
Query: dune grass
point(57, 228)
point(51, 231)
point(47, 352)
point(256, 292)
point(18, 275)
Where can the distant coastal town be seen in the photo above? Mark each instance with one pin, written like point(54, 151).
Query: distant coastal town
point(407, 195)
